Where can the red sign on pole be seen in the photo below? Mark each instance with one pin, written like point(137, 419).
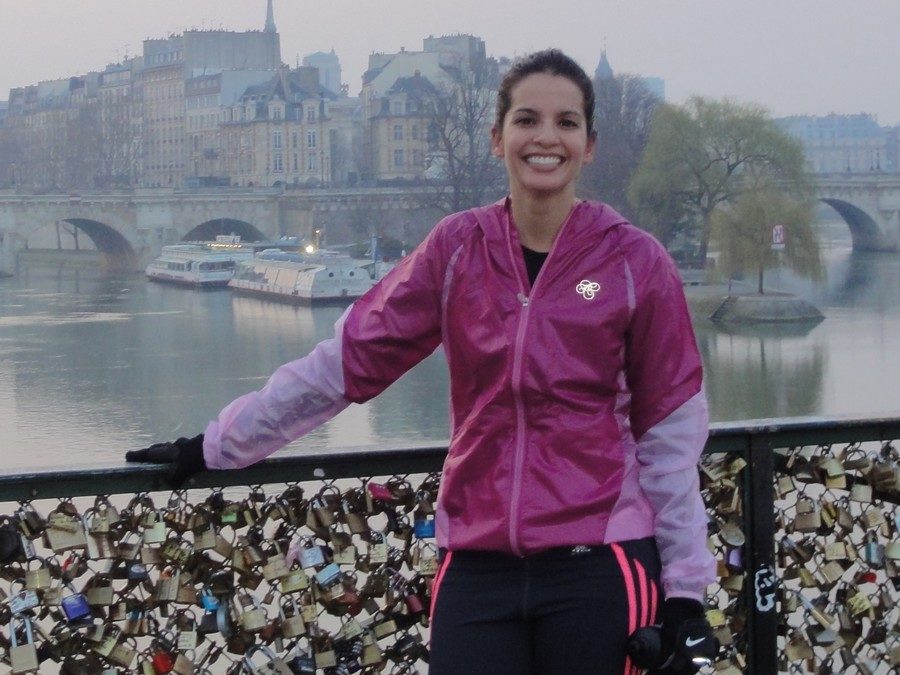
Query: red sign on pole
point(778, 237)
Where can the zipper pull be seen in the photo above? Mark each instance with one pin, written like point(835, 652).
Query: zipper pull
point(523, 299)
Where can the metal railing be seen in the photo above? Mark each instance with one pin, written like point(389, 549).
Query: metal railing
point(804, 521)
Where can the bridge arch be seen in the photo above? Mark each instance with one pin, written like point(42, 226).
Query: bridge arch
point(117, 251)
point(864, 231)
point(208, 230)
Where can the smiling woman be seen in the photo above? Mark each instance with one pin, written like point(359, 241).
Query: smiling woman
point(569, 509)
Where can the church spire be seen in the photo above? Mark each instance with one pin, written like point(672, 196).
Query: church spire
point(270, 18)
point(604, 71)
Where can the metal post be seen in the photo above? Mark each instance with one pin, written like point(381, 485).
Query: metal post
point(761, 582)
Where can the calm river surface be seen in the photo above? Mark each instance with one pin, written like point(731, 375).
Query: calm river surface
point(91, 366)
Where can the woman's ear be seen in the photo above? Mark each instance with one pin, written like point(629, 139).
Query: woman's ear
point(496, 142)
point(591, 146)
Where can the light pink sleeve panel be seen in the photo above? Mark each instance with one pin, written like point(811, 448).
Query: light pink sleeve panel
point(299, 396)
point(668, 454)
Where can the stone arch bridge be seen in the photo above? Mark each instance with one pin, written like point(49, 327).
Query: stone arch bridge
point(870, 205)
point(130, 228)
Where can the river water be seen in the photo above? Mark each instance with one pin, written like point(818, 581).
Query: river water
point(93, 365)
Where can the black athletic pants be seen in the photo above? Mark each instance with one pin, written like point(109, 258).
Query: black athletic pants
point(564, 611)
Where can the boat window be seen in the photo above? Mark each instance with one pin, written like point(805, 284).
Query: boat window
point(331, 274)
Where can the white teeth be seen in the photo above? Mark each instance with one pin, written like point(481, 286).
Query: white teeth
point(539, 159)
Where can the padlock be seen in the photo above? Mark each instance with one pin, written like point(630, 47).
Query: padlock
point(31, 523)
point(292, 624)
point(123, 653)
point(310, 555)
point(154, 528)
point(167, 586)
point(378, 549)
point(269, 663)
point(23, 658)
point(65, 531)
point(295, 580)
point(308, 609)
point(99, 591)
point(250, 614)
point(21, 601)
point(858, 604)
point(75, 605)
point(324, 655)
point(427, 562)
point(302, 662)
point(873, 551)
point(861, 492)
point(37, 578)
point(162, 652)
point(275, 567)
point(184, 664)
point(328, 575)
point(424, 526)
point(371, 652)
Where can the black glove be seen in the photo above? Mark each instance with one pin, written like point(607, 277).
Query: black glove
point(686, 635)
point(185, 455)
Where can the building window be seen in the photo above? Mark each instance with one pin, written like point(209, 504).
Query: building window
point(276, 140)
point(310, 139)
point(294, 141)
point(417, 157)
point(398, 157)
point(310, 114)
point(279, 163)
point(296, 163)
point(398, 132)
point(276, 113)
point(415, 132)
point(311, 164)
point(397, 107)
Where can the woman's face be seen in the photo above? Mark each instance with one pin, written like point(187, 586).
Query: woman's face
point(544, 140)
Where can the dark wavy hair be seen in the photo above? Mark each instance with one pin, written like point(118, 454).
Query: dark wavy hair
point(553, 62)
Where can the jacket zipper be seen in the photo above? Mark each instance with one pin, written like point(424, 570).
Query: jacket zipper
point(518, 356)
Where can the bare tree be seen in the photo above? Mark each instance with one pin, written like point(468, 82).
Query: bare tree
point(463, 173)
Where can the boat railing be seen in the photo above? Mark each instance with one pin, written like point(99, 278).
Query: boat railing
point(803, 521)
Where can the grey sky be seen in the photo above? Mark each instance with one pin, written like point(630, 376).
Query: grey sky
point(792, 56)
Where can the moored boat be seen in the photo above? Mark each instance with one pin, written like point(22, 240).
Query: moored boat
point(316, 278)
point(196, 265)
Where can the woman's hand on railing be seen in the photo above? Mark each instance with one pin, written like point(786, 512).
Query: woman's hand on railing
point(185, 455)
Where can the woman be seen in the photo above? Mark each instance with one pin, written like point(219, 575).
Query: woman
point(570, 502)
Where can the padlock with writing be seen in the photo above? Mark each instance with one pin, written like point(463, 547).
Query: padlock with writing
point(22, 600)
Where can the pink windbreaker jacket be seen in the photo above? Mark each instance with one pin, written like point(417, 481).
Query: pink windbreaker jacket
point(577, 406)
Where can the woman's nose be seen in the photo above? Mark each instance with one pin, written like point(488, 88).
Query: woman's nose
point(545, 134)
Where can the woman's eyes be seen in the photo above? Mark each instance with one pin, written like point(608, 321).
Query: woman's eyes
point(565, 123)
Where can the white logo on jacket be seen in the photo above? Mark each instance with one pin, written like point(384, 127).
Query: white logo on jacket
point(588, 289)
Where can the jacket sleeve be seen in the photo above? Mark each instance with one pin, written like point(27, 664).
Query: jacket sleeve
point(383, 334)
point(669, 421)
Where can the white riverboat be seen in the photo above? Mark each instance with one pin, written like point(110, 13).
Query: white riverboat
point(202, 265)
point(307, 278)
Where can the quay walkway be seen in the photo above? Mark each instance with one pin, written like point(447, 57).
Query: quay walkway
point(324, 563)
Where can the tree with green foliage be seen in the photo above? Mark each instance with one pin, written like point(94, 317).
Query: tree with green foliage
point(622, 116)
point(701, 157)
point(743, 231)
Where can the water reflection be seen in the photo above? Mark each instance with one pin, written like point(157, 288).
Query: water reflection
point(91, 365)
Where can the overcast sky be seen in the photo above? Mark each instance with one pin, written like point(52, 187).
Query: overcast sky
point(792, 56)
